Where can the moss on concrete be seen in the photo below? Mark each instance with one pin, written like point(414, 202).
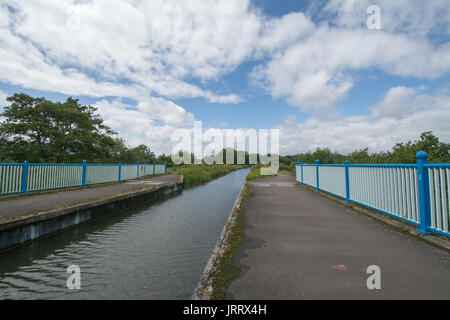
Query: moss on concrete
point(226, 268)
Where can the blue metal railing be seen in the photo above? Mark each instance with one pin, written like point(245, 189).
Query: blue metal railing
point(28, 177)
point(417, 193)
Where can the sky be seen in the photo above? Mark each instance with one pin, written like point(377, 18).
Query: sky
point(312, 69)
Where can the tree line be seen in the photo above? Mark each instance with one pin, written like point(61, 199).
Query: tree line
point(438, 152)
point(42, 131)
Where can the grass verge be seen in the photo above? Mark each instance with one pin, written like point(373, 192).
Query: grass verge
point(194, 175)
point(255, 172)
point(225, 268)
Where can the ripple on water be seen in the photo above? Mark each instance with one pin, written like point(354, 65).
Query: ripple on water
point(153, 252)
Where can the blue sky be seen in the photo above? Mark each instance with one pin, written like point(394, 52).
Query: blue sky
point(312, 69)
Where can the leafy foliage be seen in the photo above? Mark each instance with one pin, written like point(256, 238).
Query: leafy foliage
point(42, 131)
point(438, 152)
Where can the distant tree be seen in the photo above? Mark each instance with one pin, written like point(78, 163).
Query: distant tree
point(165, 159)
point(141, 153)
point(438, 152)
point(360, 156)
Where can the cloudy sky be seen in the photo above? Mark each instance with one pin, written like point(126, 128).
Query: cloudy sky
point(313, 69)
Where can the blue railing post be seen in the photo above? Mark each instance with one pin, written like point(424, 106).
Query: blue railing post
point(120, 172)
point(301, 166)
point(317, 175)
point(137, 172)
point(347, 182)
point(165, 167)
point(424, 192)
point(153, 167)
point(83, 174)
point(24, 177)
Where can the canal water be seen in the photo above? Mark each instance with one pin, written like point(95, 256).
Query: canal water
point(150, 252)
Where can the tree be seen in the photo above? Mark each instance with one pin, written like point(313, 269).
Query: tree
point(141, 153)
point(165, 159)
point(42, 131)
point(438, 152)
point(360, 156)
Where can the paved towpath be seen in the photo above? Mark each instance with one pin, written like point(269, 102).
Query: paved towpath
point(301, 245)
point(16, 206)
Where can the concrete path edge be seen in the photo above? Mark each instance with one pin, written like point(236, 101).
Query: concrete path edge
point(204, 287)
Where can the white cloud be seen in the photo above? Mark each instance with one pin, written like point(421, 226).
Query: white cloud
point(127, 49)
point(416, 18)
point(402, 115)
point(316, 73)
point(402, 102)
point(398, 102)
point(315, 69)
point(141, 49)
point(277, 33)
point(3, 101)
point(150, 122)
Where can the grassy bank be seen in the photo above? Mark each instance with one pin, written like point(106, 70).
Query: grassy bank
point(194, 175)
point(226, 269)
point(255, 172)
point(287, 170)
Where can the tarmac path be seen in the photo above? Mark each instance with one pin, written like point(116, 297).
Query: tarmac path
point(42, 202)
point(301, 245)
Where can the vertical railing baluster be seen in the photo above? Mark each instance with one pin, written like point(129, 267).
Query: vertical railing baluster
point(83, 174)
point(24, 177)
point(301, 166)
point(437, 198)
point(431, 191)
point(424, 191)
point(444, 201)
point(137, 175)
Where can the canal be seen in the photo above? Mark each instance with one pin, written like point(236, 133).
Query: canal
point(150, 252)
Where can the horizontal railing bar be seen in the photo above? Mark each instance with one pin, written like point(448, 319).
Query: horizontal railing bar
point(367, 165)
point(385, 212)
point(416, 193)
point(437, 165)
point(442, 233)
point(55, 164)
point(384, 165)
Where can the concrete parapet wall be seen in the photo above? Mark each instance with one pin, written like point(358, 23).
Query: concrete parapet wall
point(26, 229)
